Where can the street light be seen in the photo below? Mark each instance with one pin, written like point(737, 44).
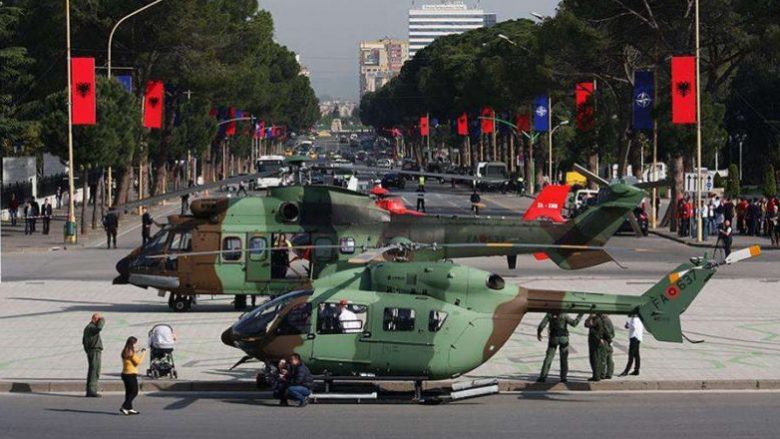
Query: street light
point(550, 138)
point(110, 40)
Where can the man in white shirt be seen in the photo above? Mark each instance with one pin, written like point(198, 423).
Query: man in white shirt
point(348, 320)
point(635, 333)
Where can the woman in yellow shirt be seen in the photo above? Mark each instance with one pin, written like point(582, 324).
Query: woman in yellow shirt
point(130, 363)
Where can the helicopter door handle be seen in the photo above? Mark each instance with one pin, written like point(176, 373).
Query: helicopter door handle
point(366, 334)
point(310, 336)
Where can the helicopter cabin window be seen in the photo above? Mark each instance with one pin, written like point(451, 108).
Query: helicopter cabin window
point(323, 250)
point(495, 282)
point(436, 320)
point(231, 249)
point(257, 246)
point(297, 321)
point(341, 318)
point(181, 242)
point(398, 319)
point(347, 246)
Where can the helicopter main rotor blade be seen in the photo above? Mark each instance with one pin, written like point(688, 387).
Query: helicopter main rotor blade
point(372, 255)
point(590, 175)
point(445, 176)
point(634, 224)
point(741, 255)
point(166, 196)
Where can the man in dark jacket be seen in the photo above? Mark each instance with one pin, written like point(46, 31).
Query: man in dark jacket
point(300, 382)
point(35, 212)
point(111, 224)
point(93, 347)
point(46, 213)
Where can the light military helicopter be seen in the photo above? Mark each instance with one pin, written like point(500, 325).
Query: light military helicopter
point(436, 320)
point(232, 245)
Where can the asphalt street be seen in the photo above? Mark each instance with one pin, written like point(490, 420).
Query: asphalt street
point(668, 415)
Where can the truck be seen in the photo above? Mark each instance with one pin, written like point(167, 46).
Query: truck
point(492, 176)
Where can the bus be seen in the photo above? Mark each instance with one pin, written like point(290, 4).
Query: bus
point(269, 163)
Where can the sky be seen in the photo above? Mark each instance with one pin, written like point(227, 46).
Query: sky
point(326, 33)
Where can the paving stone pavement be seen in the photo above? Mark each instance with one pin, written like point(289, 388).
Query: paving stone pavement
point(41, 324)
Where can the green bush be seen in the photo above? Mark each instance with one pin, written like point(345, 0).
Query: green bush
point(769, 188)
point(718, 181)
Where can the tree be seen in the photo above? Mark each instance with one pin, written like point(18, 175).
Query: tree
point(769, 188)
point(732, 184)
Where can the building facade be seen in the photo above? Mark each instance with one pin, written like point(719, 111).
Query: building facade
point(431, 21)
point(380, 61)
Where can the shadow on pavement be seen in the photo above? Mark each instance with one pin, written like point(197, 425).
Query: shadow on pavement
point(86, 412)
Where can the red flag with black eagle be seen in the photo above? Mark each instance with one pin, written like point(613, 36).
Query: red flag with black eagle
point(424, 126)
point(463, 125)
point(230, 130)
point(583, 97)
point(153, 104)
point(83, 91)
point(683, 90)
point(488, 122)
point(523, 123)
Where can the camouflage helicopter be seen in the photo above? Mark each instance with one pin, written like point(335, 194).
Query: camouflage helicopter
point(235, 245)
point(436, 320)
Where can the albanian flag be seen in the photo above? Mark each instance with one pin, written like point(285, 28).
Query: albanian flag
point(83, 91)
point(488, 120)
point(463, 125)
point(153, 104)
point(683, 89)
point(424, 126)
point(523, 123)
point(583, 96)
point(230, 130)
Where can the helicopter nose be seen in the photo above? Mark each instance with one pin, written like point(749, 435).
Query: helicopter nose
point(123, 268)
point(227, 337)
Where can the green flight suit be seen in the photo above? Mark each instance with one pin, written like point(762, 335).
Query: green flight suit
point(558, 338)
point(93, 346)
point(595, 346)
point(608, 364)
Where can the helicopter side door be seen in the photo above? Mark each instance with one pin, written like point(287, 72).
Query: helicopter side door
point(258, 263)
point(342, 346)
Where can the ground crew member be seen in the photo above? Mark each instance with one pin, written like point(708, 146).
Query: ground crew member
point(475, 200)
point(146, 226)
point(46, 211)
point(111, 224)
point(635, 333)
point(558, 338)
point(725, 234)
point(421, 183)
point(93, 347)
point(421, 197)
point(608, 364)
point(595, 340)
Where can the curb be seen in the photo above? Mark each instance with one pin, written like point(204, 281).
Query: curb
point(707, 245)
point(400, 386)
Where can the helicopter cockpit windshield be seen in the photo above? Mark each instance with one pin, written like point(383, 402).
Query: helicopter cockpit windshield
point(257, 322)
point(157, 242)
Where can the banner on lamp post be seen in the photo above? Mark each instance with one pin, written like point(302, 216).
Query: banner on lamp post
point(644, 98)
point(153, 104)
point(683, 90)
point(541, 112)
point(83, 91)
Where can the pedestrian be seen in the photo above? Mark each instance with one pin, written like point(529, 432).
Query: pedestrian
point(58, 197)
point(300, 382)
point(421, 198)
point(185, 203)
point(13, 209)
point(241, 188)
point(111, 225)
point(130, 362)
point(595, 349)
point(635, 332)
point(93, 347)
point(725, 236)
point(475, 201)
point(753, 217)
point(608, 364)
point(280, 380)
point(146, 226)
point(46, 212)
point(27, 217)
point(558, 339)
point(704, 209)
point(35, 210)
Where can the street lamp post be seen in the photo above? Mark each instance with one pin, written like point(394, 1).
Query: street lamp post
point(550, 148)
point(70, 228)
point(110, 40)
point(699, 235)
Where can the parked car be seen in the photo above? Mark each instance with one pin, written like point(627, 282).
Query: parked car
point(393, 179)
point(642, 219)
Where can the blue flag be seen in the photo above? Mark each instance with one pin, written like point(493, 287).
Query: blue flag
point(541, 114)
point(126, 81)
point(643, 100)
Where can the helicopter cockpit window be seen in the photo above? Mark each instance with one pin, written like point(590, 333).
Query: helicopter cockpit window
point(181, 242)
point(495, 282)
point(297, 321)
point(258, 320)
point(155, 245)
point(436, 320)
point(398, 319)
point(231, 249)
point(335, 319)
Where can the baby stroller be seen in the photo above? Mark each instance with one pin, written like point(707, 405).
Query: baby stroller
point(161, 357)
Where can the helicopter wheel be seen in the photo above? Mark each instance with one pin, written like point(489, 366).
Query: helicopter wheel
point(181, 304)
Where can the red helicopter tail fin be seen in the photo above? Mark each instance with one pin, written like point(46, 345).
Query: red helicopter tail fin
point(549, 204)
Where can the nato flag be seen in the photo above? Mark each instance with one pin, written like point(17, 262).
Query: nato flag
point(541, 114)
point(126, 81)
point(643, 100)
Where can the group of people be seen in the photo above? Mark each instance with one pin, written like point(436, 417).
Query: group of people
point(601, 333)
point(31, 213)
point(751, 217)
point(161, 341)
point(292, 380)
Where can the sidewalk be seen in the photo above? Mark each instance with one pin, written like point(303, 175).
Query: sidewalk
point(14, 240)
point(739, 241)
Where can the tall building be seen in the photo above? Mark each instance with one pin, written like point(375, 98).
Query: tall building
point(448, 17)
point(380, 61)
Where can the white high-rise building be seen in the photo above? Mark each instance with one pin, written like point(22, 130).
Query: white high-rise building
point(448, 17)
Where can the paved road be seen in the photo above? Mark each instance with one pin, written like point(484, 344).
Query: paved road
point(714, 415)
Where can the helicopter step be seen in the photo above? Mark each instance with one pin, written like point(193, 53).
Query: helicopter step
point(343, 396)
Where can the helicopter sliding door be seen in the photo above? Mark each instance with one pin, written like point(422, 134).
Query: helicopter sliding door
point(258, 263)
